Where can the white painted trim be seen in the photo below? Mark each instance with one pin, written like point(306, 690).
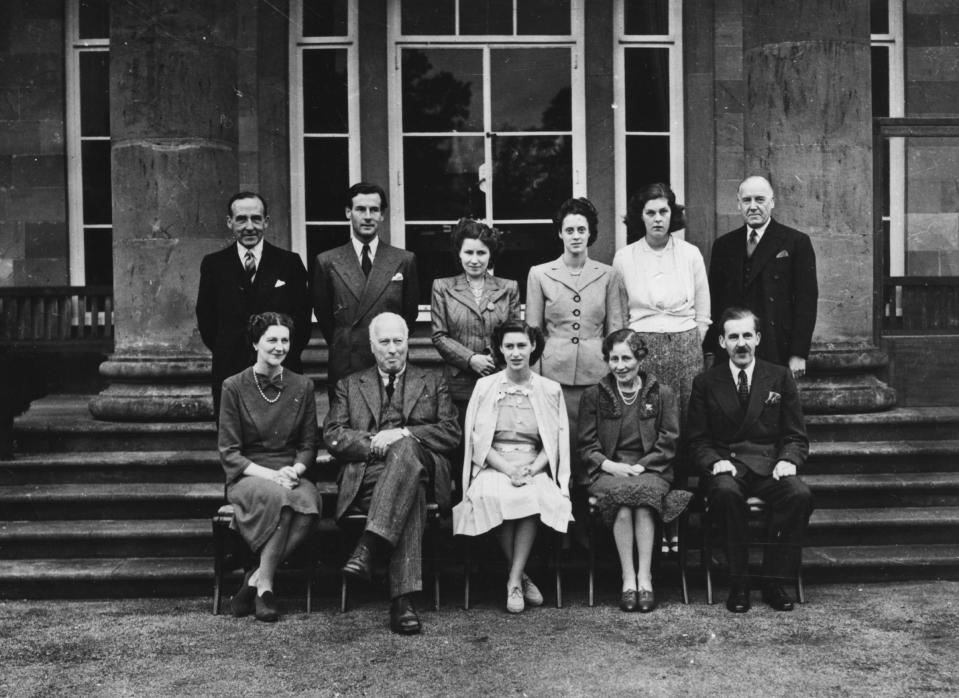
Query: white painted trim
point(77, 268)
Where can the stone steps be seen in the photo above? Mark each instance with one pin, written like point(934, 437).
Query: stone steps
point(882, 456)
point(897, 424)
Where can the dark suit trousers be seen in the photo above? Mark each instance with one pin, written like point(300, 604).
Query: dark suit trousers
point(788, 503)
point(393, 495)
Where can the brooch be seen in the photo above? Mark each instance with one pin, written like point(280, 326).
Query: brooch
point(490, 307)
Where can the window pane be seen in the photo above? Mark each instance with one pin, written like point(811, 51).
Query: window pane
point(646, 16)
point(486, 16)
point(431, 245)
point(647, 89)
point(326, 177)
point(531, 89)
point(320, 238)
point(441, 180)
point(647, 161)
point(883, 193)
point(532, 175)
point(98, 256)
point(526, 245)
point(324, 18)
point(932, 224)
point(442, 90)
point(542, 17)
point(94, 93)
point(880, 81)
point(879, 17)
point(436, 17)
point(96, 182)
point(324, 91)
point(94, 19)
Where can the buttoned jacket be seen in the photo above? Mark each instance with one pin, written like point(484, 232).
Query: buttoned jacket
point(769, 429)
point(462, 329)
point(575, 313)
point(354, 418)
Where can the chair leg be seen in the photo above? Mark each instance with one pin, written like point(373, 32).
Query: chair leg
point(590, 527)
point(343, 593)
point(707, 557)
point(434, 553)
point(557, 560)
point(311, 562)
point(683, 531)
point(800, 588)
point(467, 569)
point(219, 546)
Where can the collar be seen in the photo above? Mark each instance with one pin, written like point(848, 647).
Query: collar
point(257, 251)
point(734, 369)
point(760, 231)
point(385, 377)
point(646, 247)
point(358, 247)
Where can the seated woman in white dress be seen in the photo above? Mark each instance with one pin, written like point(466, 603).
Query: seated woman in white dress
point(516, 464)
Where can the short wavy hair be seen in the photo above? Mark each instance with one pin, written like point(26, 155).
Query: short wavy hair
point(579, 207)
point(638, 201)
point(258, 324)
point(734, 313)
point(535, 337)
point(470, 229)
point(367, 188)
point(630, 338)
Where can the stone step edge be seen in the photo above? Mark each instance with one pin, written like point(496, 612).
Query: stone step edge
point(127, 458)
point(161, 491)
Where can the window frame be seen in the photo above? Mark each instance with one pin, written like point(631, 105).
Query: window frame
point(76, 226)
point(299, 44)
point(676, 134)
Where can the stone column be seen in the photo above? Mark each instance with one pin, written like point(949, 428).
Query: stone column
point(807, 121)
point(173, 111)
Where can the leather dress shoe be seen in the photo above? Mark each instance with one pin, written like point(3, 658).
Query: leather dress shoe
point(242, 602)
point(777, 598)
point(266, 609)
point(647, 600)
point(629, 601)
point(403, 618)
point(738, 601)
point(360, 563)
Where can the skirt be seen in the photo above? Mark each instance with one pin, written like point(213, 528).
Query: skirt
point(257, 504)
point(492, 499)
point(644, 490)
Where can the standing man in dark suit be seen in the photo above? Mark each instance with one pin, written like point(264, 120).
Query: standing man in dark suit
point(249, 277)
point(357, 281)
point(391, 427)
point(748, 438)
point(771, 269)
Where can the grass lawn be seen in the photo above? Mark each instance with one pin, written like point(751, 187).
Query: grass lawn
point(890, 639)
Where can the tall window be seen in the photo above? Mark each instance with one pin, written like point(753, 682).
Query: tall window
point(88, 142)
point(324, 115)
point(649, 98)
point(487, 121)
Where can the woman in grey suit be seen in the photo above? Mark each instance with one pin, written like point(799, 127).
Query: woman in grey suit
point(576, 302)
point(467, 307)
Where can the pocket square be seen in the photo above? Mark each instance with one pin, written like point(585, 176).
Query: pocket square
point(782, 253)
point(279, 282)
point(398, 276)
point(773, 398)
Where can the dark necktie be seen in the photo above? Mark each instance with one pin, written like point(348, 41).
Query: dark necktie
point(249, 263)
point(390, 387)
point(751, 243)
point(367, 263)
point(742, 388)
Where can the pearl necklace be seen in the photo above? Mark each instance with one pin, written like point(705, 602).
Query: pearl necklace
point(260, 390)
point(634, 395)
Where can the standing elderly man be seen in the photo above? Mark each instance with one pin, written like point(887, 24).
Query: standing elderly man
point(249, 277)
point(390, 427)
point(771, 269)
point(357, 281)
point(748, 438)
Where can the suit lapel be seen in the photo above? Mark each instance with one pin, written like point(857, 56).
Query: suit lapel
point(766, 250)
point(413, 388)
point(558, 272)
point(460, 291)
point(268, 271)
point(384, 266)
point(370, 390)
point(348, 267)
point(592, 271)
point(726, 393)
point(757, 397)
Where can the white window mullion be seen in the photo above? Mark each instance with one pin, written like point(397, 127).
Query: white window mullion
point(487, 168)
point(297, 165)
point(74, 148)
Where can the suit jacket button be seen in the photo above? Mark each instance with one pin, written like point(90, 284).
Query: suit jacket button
point(732, 454)
point(575, 325)
point(576, 312)
point(576, 298)
point(575, 340)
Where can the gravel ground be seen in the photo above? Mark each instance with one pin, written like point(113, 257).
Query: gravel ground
point(849, 640)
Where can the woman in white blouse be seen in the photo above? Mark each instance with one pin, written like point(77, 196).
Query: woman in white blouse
point(667, 290)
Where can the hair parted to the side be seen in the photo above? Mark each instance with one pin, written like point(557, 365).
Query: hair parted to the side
point(471, 229)
point(384, 318)
point(244, 195)
point(258, 324)
point(534, 333)
point(734, 313)
point(367, 188)
point(630, 338)
point(580, 206)
point(638, 201)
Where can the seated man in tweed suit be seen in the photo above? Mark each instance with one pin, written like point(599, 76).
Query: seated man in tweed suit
point(390, 426)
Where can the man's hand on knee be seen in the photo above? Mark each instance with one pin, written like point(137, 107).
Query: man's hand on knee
point(784, 469)
point(382, 441)
point(723, 466)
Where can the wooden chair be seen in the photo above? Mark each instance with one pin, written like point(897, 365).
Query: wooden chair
point(432, 529)
point(757, 511)
point(679, 554)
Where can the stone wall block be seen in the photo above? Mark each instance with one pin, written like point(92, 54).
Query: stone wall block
point(39, 171)
point(776, 22)
point(35, 204)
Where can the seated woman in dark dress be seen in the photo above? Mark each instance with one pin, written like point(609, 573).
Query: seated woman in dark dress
point(628, 430)
point(267, 443)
